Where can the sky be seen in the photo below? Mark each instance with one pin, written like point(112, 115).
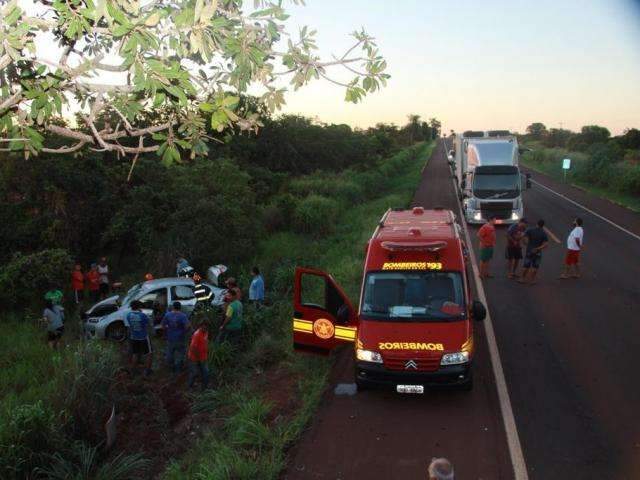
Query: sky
point(484, 64)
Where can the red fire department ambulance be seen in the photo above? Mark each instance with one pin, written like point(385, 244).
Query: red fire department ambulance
point(413, 328)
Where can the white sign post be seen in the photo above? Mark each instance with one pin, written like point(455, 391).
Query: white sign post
point(566, 165)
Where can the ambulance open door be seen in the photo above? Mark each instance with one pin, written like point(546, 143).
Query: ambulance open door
point(323, 316)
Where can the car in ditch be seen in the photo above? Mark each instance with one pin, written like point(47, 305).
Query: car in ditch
point(107, 319)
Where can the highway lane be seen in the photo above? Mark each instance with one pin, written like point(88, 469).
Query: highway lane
point(569, 347)
point(383, 435)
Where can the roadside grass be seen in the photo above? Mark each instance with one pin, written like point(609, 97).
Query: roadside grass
point(252, 442)
point(549, 162)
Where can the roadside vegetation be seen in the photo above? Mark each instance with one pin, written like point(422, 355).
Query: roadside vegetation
point(608, 167)
point(234, 207)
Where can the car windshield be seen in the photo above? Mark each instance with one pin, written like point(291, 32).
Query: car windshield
point(130, 294)
point(498, 185)
point(413, 296)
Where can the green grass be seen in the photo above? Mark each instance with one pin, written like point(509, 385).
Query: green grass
point(248, 446)
point(554, 170)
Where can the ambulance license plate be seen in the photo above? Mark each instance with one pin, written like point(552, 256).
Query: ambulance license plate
point(410, 388)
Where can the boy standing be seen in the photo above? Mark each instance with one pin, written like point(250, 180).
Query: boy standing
point(138, 323)
point(198, 354)
point(574, 246)
point(487, 236)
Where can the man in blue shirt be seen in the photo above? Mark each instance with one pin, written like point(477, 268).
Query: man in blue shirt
point(256, 289)
point(138, 324)
point(176, 325)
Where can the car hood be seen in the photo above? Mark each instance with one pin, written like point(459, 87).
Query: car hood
point(415, 338)
point(113, 300)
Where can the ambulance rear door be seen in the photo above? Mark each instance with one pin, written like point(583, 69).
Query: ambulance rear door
point(323, 315)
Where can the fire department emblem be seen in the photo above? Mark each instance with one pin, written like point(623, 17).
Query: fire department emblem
point(323, 328)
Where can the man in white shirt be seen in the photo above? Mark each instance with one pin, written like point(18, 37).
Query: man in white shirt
point(575, 244)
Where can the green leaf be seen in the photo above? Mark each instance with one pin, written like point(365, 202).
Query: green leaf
point(230, 102)
point(207, 107)
point(152, 20)
point(218, 120)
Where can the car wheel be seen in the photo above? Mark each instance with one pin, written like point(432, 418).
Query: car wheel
point(116, 332)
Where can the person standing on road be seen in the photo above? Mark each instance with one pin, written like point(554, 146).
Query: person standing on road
point(256, 289)
point(93, 283)
point(53, 315)
point(441, 469)
point(175, 325)
point(198, 355)
point(77, 283)
point(537, 240)
point(487, 236)
point(231, 328)
point(514, 246)
point(103, 270)
point(140, 343)
point(575, 243)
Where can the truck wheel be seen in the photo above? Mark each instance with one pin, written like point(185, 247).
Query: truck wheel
point(116, 332)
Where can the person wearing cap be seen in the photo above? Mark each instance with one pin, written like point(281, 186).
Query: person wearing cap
point(513, 251)
point(231, 328)
point(175, 325)
point(93, 282)
point(487, 237)
point(440, 469)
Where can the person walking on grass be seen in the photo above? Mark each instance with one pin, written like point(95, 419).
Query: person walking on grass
point(440, 469)
point(139, 341)
point(198, 355)
point(487, 236)
point(93, 282)
point(77, 283)
point(575, 244)
point(53, 315)
point(536, 240)
point(231, 328)
point(176, 325)
point(256, 289)
point(513, 252)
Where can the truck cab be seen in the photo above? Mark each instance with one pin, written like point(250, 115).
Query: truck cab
point(413, 327)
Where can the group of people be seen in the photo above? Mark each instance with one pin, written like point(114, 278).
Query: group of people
point(535, 240)
point(97, 281)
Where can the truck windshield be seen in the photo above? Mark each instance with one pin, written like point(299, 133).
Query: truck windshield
point(495, 153)
point(413, 296)
point(496, 185)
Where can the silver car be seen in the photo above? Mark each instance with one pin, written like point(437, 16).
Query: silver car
point(107, 319)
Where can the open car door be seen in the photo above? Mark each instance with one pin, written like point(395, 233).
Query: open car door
point(323, 315)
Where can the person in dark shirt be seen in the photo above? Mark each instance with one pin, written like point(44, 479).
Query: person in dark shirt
point(176, 325)
point(513, 253)
point(536, 240)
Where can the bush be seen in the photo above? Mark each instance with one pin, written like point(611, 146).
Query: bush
point(316, 215)
point(26, 277)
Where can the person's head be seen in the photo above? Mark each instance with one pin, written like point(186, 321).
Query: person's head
point(103, 261)
point(255, 272)
point(492, 219)
point(522, 223)
point(136, 305)
point(148, 276)
point(440, 469)
point(177, 306)
point(540, 223)
point(94, 266)
point(203, 326)
point(231, 282)
point(77, 266)
point(577, 222)
point(232, 294)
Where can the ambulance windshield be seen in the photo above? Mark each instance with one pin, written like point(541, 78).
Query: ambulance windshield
point(420, 296)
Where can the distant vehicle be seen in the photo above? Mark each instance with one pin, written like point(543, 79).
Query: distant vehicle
point(488, 176)
point(414, 327)
point(107, 319)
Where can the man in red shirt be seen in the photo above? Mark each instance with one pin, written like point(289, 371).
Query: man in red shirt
point(487, 236)
point(77, 283)
point(93, 282)
point(198, 354)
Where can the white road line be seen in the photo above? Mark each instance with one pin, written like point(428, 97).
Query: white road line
point(513, 440)
point(588, 210)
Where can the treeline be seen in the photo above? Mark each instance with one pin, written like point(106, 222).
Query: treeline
point(598, 159)
point(58, 209)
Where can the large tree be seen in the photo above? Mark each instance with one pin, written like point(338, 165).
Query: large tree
point(155, 75)
point(537, 130)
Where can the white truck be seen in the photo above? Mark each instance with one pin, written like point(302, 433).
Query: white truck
point(486, 169)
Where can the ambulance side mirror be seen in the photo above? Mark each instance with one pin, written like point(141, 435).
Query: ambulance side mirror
point(478, 311)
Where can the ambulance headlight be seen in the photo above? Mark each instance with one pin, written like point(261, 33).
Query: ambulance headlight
point(368, 356)
point(456, 358)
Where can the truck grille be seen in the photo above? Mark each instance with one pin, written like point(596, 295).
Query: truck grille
point(423, 364)
point(501, 210)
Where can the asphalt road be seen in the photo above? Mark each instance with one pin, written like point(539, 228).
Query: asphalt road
point(568, 349)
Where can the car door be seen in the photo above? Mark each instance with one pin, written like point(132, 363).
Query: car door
point(323, 315)
point(154, 304)
point(185, 294)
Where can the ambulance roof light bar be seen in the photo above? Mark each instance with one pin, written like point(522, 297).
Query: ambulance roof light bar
point(414, 246)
